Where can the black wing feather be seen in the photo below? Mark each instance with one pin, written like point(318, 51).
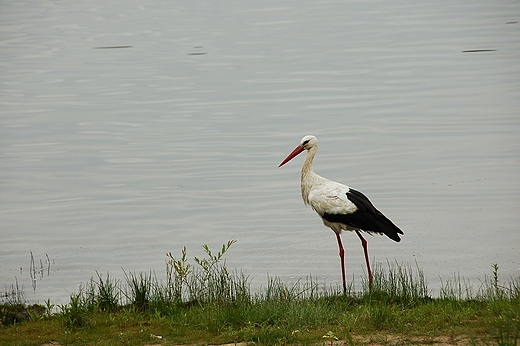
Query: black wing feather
point(366, 217)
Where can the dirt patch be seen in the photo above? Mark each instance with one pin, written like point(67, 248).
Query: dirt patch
point(386, 339)
point(372, 340)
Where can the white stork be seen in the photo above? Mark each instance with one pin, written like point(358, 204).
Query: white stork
point(339, 206)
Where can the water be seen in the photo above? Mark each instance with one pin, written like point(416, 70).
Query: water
point(112, 157)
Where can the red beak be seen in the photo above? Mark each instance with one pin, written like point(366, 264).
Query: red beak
point(292, 155)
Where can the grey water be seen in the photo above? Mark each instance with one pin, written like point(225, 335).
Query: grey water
point(130, 129)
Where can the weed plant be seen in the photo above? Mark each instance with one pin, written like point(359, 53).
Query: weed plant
point(202, 301)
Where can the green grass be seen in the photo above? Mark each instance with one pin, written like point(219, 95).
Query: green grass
point(202, 302)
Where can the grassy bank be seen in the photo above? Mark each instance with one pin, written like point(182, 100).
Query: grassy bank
point(202, 302)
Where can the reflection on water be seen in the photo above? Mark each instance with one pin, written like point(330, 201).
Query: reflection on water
point(37, 270)
point(113, 157)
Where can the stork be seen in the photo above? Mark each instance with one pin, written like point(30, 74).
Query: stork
point(339, 206)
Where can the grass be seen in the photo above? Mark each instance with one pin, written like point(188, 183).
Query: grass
point(202, 302)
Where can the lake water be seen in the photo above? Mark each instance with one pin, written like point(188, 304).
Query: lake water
point(130, 129)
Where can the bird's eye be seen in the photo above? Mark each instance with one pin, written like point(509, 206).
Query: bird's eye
point(304, 143)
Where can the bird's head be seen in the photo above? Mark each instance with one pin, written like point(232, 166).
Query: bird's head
point(307, 143)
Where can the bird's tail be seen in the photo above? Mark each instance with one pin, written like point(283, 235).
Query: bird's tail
point(388, 227)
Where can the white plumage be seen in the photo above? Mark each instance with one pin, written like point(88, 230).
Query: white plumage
point(339, 206)
point(330, 197)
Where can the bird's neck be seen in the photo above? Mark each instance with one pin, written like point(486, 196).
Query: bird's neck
point(308, 176)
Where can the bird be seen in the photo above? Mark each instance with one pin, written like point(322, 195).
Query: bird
point(340, 206)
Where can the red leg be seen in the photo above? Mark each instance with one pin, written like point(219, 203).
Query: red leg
point(342, 257)
point(365, 249)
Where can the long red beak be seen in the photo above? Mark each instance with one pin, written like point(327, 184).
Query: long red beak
point(292, 155)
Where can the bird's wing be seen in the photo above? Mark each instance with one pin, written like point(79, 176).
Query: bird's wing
point(339, 204)
point(361, 201)
point(331, 197)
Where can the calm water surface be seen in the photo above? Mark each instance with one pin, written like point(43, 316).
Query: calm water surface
point(112, 157)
